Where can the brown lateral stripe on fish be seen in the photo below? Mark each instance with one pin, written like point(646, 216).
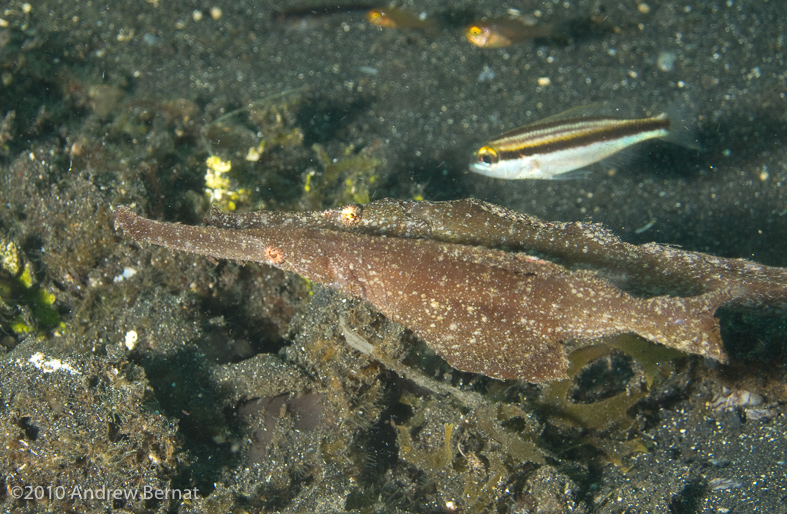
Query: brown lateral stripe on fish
point(506, 315)
point(546, 149)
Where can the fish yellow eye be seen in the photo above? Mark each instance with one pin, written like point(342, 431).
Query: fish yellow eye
point(474, 31)
point(487, 155)
point(374, 16)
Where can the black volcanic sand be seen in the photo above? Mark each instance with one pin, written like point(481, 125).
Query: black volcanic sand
point(127, 367)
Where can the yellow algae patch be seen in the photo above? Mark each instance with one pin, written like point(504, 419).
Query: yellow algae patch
point(217, 184)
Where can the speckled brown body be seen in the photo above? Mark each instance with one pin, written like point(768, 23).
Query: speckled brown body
point(645, 270)
point(506, 315)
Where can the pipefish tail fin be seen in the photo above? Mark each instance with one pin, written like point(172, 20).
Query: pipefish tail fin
point(687, 324)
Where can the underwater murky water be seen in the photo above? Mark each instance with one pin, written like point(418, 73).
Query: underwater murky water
point(129, 366)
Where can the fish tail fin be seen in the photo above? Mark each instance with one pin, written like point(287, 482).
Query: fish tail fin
point(683, 129)
point(687, 324)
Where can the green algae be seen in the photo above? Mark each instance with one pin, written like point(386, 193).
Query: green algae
point(653, 360)
point(345, 179)
point(25, 306)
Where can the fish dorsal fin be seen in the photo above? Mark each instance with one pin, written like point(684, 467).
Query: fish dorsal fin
point(582, 111)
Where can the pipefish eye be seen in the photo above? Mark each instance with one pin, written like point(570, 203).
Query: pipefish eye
point(351, 214)
point(487, 155)
point(474, 31)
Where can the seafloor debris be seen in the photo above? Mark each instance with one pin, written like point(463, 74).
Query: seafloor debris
point(504, 314)
point(729, 400)
point(750, 403)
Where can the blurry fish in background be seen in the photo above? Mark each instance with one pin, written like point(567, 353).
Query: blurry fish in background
point(393, 18)
point(571, 141)
point(502, 32)
point(306, 17)
point(323, 10)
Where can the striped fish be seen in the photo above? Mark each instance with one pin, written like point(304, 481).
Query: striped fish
point(559, 144)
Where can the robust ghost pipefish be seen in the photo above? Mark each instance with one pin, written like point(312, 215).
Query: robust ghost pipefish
point(507, 315)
